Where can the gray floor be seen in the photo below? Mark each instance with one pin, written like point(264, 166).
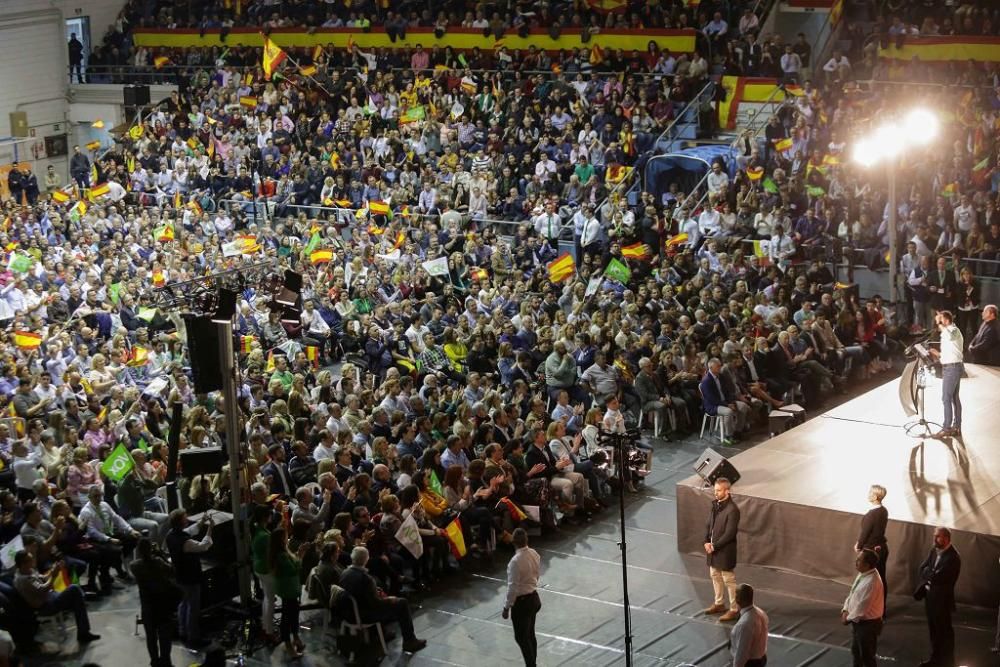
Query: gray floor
point(581, 619)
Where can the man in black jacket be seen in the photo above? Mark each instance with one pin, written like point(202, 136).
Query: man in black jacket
point(185, 554)
point(985, 347)
point(360, 585)
point(938, 575)
point(720, 547)
point(942, 286)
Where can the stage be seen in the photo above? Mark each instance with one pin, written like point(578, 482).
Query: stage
point(802, 493)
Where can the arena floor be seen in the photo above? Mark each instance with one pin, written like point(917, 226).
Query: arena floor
point(581, 618)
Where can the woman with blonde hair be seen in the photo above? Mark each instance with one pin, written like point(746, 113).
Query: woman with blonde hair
point(872, 535)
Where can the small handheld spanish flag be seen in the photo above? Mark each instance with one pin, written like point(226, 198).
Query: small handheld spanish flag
point(60, 197)
point(400, 240)
point(308, 70)
point(782, 145)
point(312, 354)
point(246, 344)
point(248, 101)
point(638, 251)
point(562, 268)
point(94, 145)
point(159, 62)
point(378, 207)
point(99, 190)
point(27, 340)
point(321, 256)
point(755, 173)
point(477, 273)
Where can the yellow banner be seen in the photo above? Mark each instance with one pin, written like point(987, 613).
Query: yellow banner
point(456, 38)
point(944, 49)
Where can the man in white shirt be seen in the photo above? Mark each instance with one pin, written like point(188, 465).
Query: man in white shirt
point(863, 609)
point(950, 356)
point(748, 643)
point(522, 602)
point(548, 224)
point(782, 248)
point(791, 63)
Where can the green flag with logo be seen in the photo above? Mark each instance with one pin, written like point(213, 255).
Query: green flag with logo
point(435, 484)
point(617, 270)
point(20, 263)
point(313, 243)
point(118, 464)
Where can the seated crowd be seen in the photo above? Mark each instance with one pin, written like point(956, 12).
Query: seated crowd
point(463, 397)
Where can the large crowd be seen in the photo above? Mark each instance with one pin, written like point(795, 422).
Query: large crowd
point(448, 360)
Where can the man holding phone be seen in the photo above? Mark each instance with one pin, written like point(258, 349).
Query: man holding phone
point(185, 554)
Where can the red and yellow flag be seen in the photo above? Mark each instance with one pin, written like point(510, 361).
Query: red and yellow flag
point(60, 197)
point(273, 57)
point(677, 240)
point(308, 70)
point(755, 173)
point(139, 357)
point(312, 354)
point(27, 340)
point(561, 268)
point(248, 101)
point(454, 534)
point(638, 251)
point(321, 256)
point(246, 344)
point(596, 54)
point(99, 190)
point(159, 62)
point(783, 145)
point(379, 207)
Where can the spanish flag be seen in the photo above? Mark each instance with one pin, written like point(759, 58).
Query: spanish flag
point(246, 344)
point(561, 268)
point(159, 62)
point(321, 256)
point(269, 366)
point(335, 163)
point(677, 240)
point(342, 203)
point(400, 240)
point(783, 145)
point(27, 340)
point(454, 534)
point(477, 273)
point(164, 233)
point(639, 251)
point(516, 512)
point(596, 54)
point(273, 57)
point(94, 145)
point(755, 173)
point(379, 207)
point(608, 6)
point(317, 52)
point(158, 279)
point(617, 173)
point(195, 207)
point(312, 354)
point(99, 191)
point(248, 101)
point(308, 70)
point(140, 357)
point(60, 197)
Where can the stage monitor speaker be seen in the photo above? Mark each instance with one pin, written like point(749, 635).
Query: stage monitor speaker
point(203, 347)
point(202, 461)
point(712, 465)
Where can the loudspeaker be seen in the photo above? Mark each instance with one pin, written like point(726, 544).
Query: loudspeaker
point(135, 96)
point(202, 461)
point(712, 465)
point(19, 124)
point(203, 346)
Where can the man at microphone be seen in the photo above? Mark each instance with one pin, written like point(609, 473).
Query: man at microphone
point(950, 356)
point(985, 346)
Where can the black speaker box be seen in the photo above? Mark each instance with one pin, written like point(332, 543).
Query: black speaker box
point(135, 96)
point(712, 465)
point(202, 461)
point(203, 346)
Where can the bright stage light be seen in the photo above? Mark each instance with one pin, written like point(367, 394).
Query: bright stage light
point(920, 126)
point(864, 153)
point(889, 140)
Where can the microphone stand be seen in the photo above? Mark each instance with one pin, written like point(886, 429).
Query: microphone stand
point(621, 442)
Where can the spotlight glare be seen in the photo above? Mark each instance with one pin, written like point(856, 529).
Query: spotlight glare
point(889, 140)
point(864, 153)
point(921, 126)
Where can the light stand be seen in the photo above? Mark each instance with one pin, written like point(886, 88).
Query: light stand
point(621, 442)
point(920, 427)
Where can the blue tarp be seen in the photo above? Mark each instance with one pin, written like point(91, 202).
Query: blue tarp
point(685, 168)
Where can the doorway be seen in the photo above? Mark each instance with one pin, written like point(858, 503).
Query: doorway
point(79, 26)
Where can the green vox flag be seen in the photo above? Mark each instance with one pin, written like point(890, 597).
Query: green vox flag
point(616, 270)
point(118, 464)
point(435, 484)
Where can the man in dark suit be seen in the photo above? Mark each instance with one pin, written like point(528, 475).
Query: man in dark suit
point(360, 585)
point(720, 547)
point(716, 403)
point(985, 347)
point(277, 470)
point(941, 284)
point(938, 575)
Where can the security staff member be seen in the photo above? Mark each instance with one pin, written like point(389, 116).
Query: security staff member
point(522, 603)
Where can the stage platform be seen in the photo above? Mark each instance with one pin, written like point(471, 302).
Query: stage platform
point(802, 493)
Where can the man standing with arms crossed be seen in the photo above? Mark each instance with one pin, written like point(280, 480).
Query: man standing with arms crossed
point(950, 356)
point(522, 602)
point(720, 547)
point(864, 608)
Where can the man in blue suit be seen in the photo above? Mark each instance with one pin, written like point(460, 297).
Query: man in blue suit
point(715, 402)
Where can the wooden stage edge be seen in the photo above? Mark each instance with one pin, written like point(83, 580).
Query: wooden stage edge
point(802, 493)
